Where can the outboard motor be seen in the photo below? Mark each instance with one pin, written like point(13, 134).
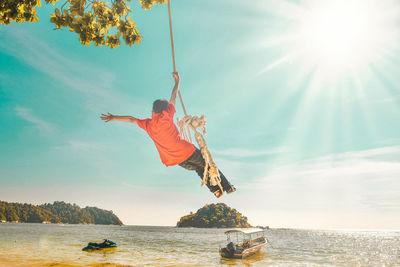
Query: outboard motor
point(230, 249)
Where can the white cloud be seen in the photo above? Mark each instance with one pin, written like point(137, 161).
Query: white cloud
point(389, 99)
point(242, 153)
point(41, 125)
point(77, 146)
point(366, 181)
point(382, 151)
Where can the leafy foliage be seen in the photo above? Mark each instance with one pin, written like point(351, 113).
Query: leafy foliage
point(148, 4)
point(18, 11)
point(58, 212)
point(214, 215)
point(95, 21)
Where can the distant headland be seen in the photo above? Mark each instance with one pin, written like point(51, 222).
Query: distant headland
point(58, 212)
point(214, 215)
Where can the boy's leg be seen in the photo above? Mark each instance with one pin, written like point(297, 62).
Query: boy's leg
point(226, 185)
point(196, 162)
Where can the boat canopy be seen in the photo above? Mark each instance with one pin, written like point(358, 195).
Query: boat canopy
point(245, 231)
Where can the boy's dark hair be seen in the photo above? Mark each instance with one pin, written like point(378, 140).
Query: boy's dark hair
point(160, 105)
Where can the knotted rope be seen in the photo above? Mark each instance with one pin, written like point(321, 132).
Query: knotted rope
point(211, 173)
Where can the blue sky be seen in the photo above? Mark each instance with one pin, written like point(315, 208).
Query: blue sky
point(302, 105)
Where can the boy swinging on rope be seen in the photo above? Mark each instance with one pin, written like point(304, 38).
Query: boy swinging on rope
point(173, 149)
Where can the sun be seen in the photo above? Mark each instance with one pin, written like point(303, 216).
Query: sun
point(333, 34)
point(341, 36)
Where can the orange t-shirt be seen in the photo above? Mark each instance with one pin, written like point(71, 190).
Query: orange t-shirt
point(161, 128)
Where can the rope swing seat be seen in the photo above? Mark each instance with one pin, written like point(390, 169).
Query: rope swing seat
point(197, 124)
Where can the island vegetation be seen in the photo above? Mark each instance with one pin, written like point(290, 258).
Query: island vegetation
point(214, 215)
point(58, 212)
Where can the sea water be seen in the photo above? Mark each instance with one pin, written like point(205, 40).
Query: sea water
point(61, 245)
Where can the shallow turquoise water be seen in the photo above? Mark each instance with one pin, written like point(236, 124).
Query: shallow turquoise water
point(38, 245)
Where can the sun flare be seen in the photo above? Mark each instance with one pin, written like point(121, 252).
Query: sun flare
point(337, 38)
point(342, 35)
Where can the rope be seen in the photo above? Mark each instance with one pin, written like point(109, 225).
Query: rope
point(211, 173)
point(185, 135)
point(173, 52)
point(172, 36)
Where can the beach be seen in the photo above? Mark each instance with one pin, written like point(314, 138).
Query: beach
point(61, 245)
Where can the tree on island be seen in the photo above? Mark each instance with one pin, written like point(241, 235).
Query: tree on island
point(214, 215)
point(58, 212)
point(97, 21)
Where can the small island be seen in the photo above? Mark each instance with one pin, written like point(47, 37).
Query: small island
point(58, 212)
point(217, 215)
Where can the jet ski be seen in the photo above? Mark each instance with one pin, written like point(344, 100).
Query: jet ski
point(97, 246)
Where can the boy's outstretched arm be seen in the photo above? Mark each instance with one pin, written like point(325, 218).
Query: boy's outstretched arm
point(111, 117)
point(176, 88)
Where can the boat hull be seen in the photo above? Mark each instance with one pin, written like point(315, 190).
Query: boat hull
point(244, 254)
